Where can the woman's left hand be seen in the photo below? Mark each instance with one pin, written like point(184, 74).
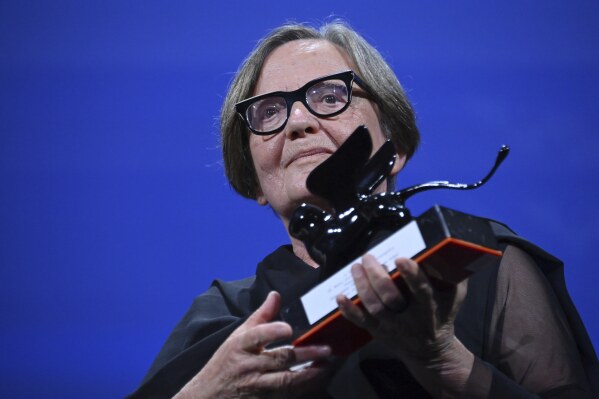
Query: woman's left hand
point(418, 326)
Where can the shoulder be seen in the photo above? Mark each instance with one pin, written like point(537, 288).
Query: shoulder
point(521, 281)
point(210, 312)
point(222, 298)
point(523, 295)
point(518, 268)
point(216, 307)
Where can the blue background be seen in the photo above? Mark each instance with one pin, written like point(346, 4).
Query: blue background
point(114, 209)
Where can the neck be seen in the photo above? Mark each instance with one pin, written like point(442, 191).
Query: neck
point(299, 249)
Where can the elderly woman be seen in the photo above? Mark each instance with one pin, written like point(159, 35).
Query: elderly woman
point(294, 101)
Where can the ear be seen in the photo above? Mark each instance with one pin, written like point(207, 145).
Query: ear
point(261, 198)
point(400, 162)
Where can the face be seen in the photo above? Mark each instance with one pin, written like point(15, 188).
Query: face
point(284, 160)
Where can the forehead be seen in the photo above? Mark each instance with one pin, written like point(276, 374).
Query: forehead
point(293, 64)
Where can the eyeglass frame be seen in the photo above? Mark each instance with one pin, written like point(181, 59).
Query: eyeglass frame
point(291, 97)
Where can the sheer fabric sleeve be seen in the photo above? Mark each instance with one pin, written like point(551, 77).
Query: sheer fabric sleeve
point(530, 351)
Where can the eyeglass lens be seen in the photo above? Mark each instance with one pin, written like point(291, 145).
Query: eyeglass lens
point(323, 98)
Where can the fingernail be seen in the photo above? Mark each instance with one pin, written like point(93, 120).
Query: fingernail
point(356, 270)
point(324, 350)
point(342, 301)
point(400, 263)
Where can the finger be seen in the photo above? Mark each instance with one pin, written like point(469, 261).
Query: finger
point(268, 310)
point(287, 382)
point(384, 288)
point(282, 358)
point(313, 352)
point(462, 291)
point(451, 300)
point(372, 303)
point(265, 313)
point(356, 314)
point(256, 338)
point(415, 279)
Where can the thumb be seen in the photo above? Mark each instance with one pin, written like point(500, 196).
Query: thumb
point(266, 312)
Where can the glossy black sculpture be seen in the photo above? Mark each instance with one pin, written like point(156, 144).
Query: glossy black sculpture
point(358, 219)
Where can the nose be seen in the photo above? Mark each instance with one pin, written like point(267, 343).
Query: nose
point(300, 122)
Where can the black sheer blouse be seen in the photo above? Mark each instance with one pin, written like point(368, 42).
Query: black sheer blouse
point(511, 320)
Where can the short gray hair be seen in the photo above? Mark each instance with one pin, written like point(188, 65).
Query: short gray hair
point(396, 115)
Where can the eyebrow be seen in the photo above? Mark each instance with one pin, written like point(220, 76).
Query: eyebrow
point(307, 82)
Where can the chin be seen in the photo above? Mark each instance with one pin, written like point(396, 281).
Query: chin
point(309, 198)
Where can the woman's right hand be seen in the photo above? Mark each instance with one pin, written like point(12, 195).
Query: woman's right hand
point(242, 368)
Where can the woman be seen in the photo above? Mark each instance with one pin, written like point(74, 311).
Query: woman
point(294, 101)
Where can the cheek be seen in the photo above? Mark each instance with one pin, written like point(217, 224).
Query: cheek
point(368, 117)
point(266, 153)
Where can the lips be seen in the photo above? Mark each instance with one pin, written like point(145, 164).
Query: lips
point(307, 153)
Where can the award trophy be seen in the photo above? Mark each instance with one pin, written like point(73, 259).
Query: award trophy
point(448, 245)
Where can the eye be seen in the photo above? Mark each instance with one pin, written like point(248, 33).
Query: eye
point(266, 113)
point(266, 109)
point(269, 111)
point(328, 96)
point(330, 99)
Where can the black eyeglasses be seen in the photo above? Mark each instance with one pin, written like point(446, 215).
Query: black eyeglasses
point(326, 96)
